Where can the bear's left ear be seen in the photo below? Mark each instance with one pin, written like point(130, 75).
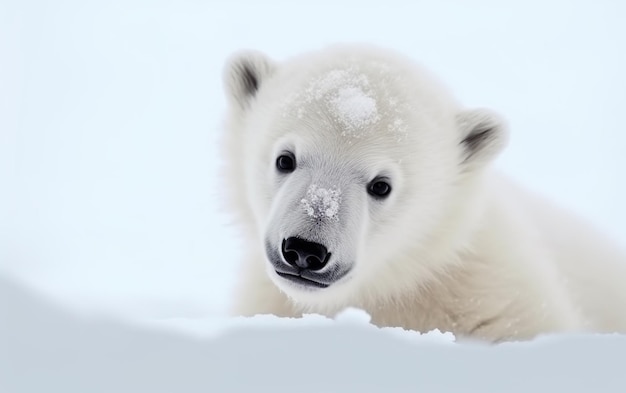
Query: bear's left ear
point(484, 135)
point(244, 74)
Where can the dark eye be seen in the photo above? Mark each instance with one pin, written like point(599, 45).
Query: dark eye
point(286, 163)
point(379, 188)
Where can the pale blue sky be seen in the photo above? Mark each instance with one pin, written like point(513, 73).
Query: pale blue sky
point(110, 111)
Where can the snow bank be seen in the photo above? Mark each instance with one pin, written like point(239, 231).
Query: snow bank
point(44, 349)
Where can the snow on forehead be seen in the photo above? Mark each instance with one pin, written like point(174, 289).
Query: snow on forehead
point(351, 100)
point(354, 108)
point(348, 97)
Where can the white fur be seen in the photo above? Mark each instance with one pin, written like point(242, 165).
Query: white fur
point(455, 246)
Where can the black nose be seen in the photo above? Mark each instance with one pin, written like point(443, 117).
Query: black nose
point(304, 254)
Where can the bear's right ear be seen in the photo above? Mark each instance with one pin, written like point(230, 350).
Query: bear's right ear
point(484, 134)
point(243, 75)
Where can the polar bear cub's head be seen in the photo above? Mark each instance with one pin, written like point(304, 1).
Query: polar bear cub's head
point(353, 168)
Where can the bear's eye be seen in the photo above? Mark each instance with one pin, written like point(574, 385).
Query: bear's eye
point(379, 188)
point(286, 163)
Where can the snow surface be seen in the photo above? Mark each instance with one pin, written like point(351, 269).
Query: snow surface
point(46, 349)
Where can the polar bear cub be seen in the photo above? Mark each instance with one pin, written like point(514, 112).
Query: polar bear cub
point(359, 181)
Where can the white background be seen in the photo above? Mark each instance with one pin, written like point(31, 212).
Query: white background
point(110, 113)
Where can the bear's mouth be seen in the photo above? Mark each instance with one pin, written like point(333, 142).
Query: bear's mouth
point(310, 279)
point(298, 279)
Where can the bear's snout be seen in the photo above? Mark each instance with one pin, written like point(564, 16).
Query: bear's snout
point(304, 255)
point(305, 263)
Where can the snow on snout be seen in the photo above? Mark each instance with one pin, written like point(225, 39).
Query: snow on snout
point(322, 202)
